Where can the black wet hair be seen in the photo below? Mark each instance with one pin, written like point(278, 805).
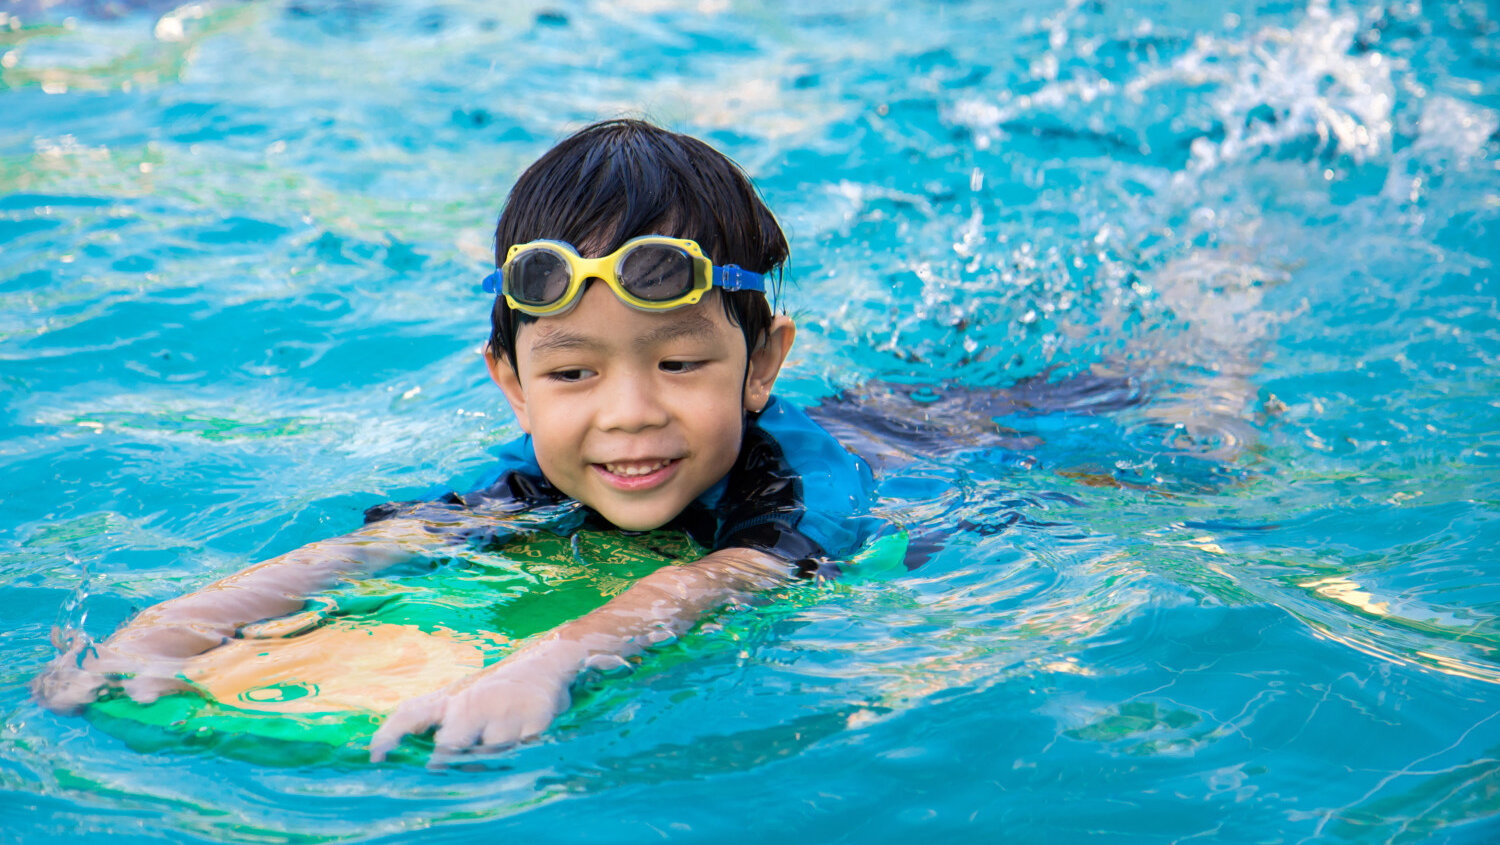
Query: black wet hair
point(621, 179)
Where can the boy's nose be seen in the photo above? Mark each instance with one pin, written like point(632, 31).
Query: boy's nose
point(631, 403)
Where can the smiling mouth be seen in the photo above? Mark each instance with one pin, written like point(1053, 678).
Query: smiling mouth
point(637, 475)
point(635, 469)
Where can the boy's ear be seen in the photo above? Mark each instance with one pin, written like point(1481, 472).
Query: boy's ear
point(504, 375)
point(766, 361)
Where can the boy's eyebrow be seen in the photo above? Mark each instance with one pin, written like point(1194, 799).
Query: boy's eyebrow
point(692, 324)
point(556, 340)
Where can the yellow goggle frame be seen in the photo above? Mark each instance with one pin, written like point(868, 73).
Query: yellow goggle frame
point(703, 274)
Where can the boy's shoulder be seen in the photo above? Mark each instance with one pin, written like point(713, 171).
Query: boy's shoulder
point(795, 477)
point(807, 444)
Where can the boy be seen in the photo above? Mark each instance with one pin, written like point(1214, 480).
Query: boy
point(633, 340)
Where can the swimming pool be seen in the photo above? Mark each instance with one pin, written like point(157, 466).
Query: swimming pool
point(239, 253)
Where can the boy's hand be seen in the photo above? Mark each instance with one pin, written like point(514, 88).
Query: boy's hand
point(496, 707)
point(145, 657)
point(519, 697)
point(84, 670)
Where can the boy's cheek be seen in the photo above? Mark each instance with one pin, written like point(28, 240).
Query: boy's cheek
point(546, 458)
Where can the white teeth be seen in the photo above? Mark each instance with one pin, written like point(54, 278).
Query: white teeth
point(629, 470)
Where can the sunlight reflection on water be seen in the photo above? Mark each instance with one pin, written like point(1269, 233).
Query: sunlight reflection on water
point(239, 252)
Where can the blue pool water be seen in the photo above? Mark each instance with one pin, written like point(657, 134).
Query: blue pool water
point(239, 252)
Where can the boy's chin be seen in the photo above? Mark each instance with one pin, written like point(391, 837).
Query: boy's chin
point(634, 522)
point(636, 518)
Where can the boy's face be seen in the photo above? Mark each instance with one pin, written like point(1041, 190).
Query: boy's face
point(637, 414)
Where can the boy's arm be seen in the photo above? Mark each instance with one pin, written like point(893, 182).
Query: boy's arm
point(519, 697)
point(146, 655)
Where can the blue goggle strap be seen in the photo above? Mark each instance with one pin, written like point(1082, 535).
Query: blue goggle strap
point(730, 277)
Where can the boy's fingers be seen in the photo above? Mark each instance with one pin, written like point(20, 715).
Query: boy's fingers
point(500, 733)
point(66, 689)
point(104, 660)
point(144, 689)
point(67, 685)
point(534, 725)
point(413, 717)
point(523, 720)
point(458, 732)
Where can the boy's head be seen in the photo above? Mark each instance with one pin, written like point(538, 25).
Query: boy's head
point(621, 179)
point(638, 412)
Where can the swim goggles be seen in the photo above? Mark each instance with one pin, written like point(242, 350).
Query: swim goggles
point(652, 273)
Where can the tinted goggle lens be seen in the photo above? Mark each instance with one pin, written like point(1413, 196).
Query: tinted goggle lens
point(656, 272)
point(538, 277)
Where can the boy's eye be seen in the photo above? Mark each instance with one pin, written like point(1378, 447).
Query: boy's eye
point(570, 375)
point(680, 366)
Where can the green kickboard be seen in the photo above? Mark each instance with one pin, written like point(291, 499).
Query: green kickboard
point(311, 688)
